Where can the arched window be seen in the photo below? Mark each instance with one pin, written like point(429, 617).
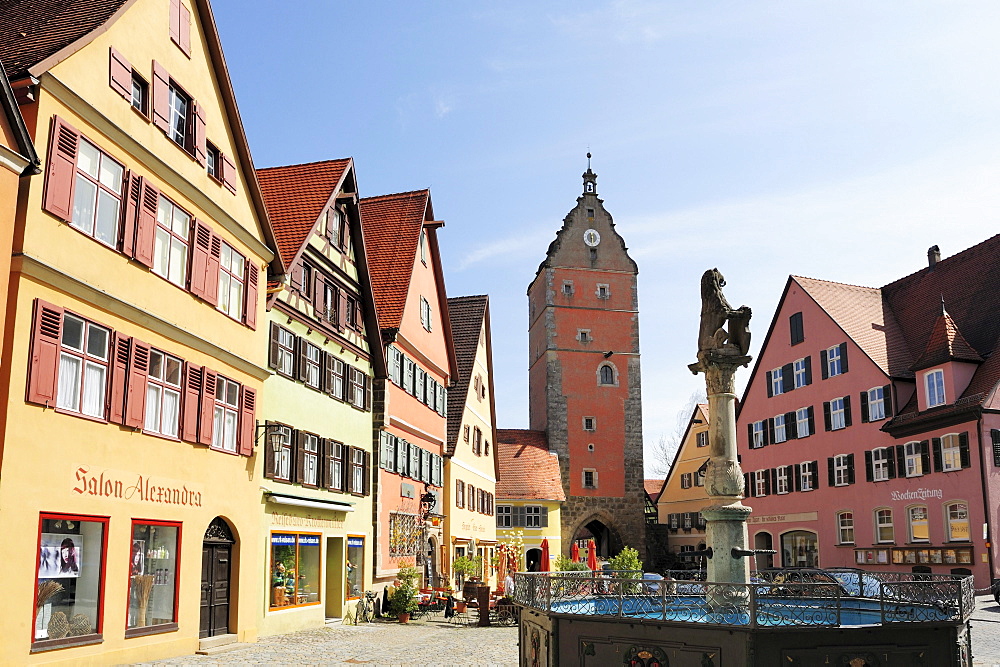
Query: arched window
point(845, 527)
point(607, 374)
point(884, 531)
point(917, 519)
point(958, 522)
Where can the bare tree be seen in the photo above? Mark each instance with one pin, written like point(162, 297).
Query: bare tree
point(660, 456)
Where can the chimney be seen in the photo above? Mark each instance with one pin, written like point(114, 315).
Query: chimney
point(933, 256)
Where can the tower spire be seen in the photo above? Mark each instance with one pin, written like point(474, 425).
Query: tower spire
point(589, 179)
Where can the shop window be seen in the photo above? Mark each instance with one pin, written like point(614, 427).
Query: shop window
point(69, 585)
point(152, 598)
point(958, 522)
point(295, 579)
point(799, 549)
point(355, 584)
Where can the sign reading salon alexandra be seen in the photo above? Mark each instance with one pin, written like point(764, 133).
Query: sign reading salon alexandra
point(121, 485)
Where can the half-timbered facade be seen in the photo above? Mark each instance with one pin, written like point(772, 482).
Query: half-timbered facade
point(136, 353)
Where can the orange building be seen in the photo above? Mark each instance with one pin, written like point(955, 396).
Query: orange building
point(410, 407)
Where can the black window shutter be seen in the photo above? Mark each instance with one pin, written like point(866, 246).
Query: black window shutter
point(809, 370)
point(815, 470)
point(850, 468)
point(900, 460)
point(869, 472)
point(303, 348)
point(750, 444)
point(747, 488)
point(346, 460)
point(791, 427)
point(824, 367)
point(765, 435)
point(367, 468)
point(268, 457)
point(796, 473)
point(787, 378)
point(864, 407)
point(925, 456)
point(770, 429)
point(936, 454)
point(843, 357)
point(767, 481)
point(812, 420)
point(299, 445)
point(963, 448)
point(830, 474)
point(826, 415)
point(770, 393)
point(887, 400)
point(774, 480)
point(847, 410)
point(995, 437)
point(272, 359)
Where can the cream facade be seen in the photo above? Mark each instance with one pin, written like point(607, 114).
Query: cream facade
point(683, 497)
point(546, 527)
point(135, 361)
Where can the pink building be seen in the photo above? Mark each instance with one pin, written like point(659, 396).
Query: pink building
point(869, 430)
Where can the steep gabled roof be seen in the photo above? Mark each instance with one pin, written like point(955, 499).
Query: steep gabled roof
point(295, 196)
point(32, 31)
point(653, 488)
point(946, 344)
point(528, 470)
point(466, 314)
point(392, 226)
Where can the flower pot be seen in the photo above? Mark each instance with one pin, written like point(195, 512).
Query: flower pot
point(460, 607)
point(404, 617)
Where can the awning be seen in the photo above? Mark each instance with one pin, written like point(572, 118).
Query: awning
point(486, 543)
point(329, 505)
point(461, 539)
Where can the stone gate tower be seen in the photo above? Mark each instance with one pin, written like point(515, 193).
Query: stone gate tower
point(584, 381)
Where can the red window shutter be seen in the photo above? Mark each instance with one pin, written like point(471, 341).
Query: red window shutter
point(145, 224)
point(251, 291)
point(206, 418)
point(319, 297)
point(184, 29)
point(228, 173)
point(175, 21)
point(342, 310)
point(161, 101)
point(197, 136)
point(248, 411)
point(133, 197)
point(121, 74)
point(201, 249)
point(60, 175)
point(138, 373)
point(190, 402)
point(357, 315)
point(212, 271)
point(273, 348)
point(119, 378)
point(43, 371)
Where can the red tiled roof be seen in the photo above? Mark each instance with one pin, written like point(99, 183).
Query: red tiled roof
point(528, 470)
point(653, 488)
point(392, 226)
point(295, 196)
point(861, 313)
point(946, 343)
point(33, 30)
point(466, 314)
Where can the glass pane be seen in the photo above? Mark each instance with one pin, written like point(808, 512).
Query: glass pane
point(235, 307)
point(97, 341)
point(227, 256)
point(161, 252)
point(178, 257)
point(156, 364)
point(111, 175)
point(220, 388)
point(88, 159)
point(152, 576)
point(223, 291)
point(229, 444)
point(106, 226)
point(173, 372)
point(232, 393)
point(83, 204)
point(182, 223)
point(237, 264)
point(93, 390)
point(72, 333)
point(283, 570)
point(69, 576)
point(68, 396)
point(163, 210)
point(153, 408)
point(217, 424)
point(171, 413)
point(307, 582)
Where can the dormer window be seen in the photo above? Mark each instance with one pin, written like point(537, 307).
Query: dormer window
point(934, 383)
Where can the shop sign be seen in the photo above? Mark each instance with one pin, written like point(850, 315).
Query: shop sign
point(473, 526)
point(784, 518)
point(121, 485)
point(916, 494)
point(306, 521)
point(309, 540)
point(277, 538)
point(355, 541)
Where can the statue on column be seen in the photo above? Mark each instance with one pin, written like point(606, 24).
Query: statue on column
point(716, 313)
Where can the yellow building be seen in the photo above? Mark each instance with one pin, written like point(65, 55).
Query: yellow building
point(683, 496)
point(317, 403)
point(529, 495)
point(470, 468)
point(135, 359)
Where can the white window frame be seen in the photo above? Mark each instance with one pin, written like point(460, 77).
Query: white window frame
point(101, 181)
point(781, 477)
point(593, 473)
point(590, 424)
point(913, 519)
point(310, 462)
point(955, 514)
point(880, 463)
point(913, 457)
point(833, 365)
point(806, 476)
point(686, 480)
point(171, 245)
point(603, 291)
point(777, 384)
point(314, 365)
point(286, 352)
point(160, 391)
point(701, 439)
point(951, 452)
point(838, 417)
point(802, 422)
point(876, 404)
point(779, 429)
point(841, 474)
point(845, 527)
point(799, 373)
point(533, 516)
point(283, 458)
point(232, 266)
point(504, 516)
point(227, 415)
point(85, 390)
point(759, 431)
point(180, 108)
point(934, 385)
point(760, 483)
point(883, 522)
point(425, 314)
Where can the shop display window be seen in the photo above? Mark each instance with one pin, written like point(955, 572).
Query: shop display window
point(152, 585)
point(69, 580)
point(294, 576)
point(355, 567)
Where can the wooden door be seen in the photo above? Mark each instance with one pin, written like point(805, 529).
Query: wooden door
point(215, 570)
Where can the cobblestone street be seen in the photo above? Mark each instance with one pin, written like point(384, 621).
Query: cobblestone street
point(986, 632)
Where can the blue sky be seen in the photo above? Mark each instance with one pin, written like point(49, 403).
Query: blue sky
point(837, 140)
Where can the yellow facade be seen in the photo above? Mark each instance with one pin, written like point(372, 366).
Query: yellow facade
point(467, 530)
point(531, 538)
point(87, 471)
point(684, 495)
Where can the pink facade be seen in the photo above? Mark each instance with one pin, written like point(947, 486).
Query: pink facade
point(869, 477)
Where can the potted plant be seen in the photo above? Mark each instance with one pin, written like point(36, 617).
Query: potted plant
point(464, 566)
point(402, 602)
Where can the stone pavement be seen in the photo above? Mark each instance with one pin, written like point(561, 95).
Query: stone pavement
point(423, 643)
point(986, 632)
